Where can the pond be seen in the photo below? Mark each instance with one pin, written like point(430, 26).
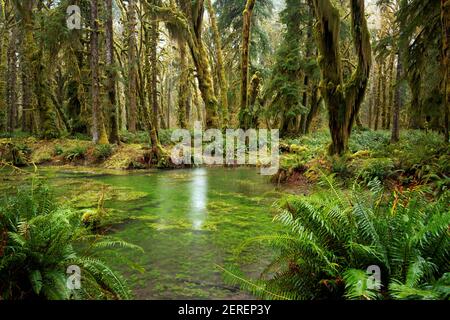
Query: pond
point(187, 221)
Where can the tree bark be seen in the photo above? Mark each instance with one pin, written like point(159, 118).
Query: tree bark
point(98, 125)
point(379, 93)
point(315, 106)
point(220, 63)
point(445, 20)
point(342, 99)
point(111, 75)
point(190, 24)
point(245, 114)
point(398, 100)
point(3, 73)
point(183, 90)
point(151, 110)
point(132, 63)
point(11, 93)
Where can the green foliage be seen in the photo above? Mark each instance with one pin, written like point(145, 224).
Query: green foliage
point(103, 151)
point(58, 150)
point(285, 89)
point(334, 236)
point(165, 137)
point(369, 140)
point(40, 240)
point(76, 153)
point(230, 21)
point(376, 168)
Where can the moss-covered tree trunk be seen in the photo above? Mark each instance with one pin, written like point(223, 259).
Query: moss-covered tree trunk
point(151, 109)
point(220, 63)
point(183, 89)
point(11, 93)
point(391, 88)
point(343, 99)
point(189, 21)
point(111, 75)
point(384, 82)
point(98, 124)
point(27, 49)
point(3, 68)
point(398, 100)
point(245, 117)
point(132, 64)
point(445, 20)
point(205, 82)
point(306, 80)
point(316, 100)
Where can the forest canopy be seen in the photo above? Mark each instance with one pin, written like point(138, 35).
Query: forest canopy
point(293, 65)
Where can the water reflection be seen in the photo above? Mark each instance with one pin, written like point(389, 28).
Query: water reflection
point(199, 198)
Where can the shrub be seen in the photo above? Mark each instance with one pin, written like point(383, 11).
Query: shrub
point(37, 245)
point(369, 140)
point(82, 136)
point(103, 151)
point(141, 137)
point(165, 137)
point(380, 168)
point(58, 150)
point(75, 153)
point(334, 237)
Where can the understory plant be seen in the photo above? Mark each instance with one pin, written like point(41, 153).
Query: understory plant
point(40, 240)
point(334, 236)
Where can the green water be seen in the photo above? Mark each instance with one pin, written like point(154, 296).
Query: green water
point(188, 222)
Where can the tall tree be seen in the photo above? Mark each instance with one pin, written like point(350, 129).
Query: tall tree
point(3, 66)
point(343, 99)
point(98, 124)
point(188, 19)
point(245, 115)
point(111, 75)
point(220, 62)
point(11, 93)
point(132, 65)
point(445, 21)
point(151, 109)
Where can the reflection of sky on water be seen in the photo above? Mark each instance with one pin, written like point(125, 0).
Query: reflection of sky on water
point(199, 198)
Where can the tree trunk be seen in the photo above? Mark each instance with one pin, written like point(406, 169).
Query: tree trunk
point(150, 110)
point(342, 99)
point(26, 66)
point(398, 100)
point(378, 100)
point(98, 125)
point(220, 63)
point(383, 97)
point(183, 91)
point(445, 19)
point(132, 63)
point(308, 52)
point(3, 76)
point(372, 100)
point(315, 106)
point(245, 114)
point(191, 23)
point(11, 97)
point(111, 75)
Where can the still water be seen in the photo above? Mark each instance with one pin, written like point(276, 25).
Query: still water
point(188, 222)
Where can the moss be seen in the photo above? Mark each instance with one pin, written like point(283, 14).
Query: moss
point(126, 157)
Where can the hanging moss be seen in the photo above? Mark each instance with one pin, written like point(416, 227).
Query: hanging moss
point(342, 99)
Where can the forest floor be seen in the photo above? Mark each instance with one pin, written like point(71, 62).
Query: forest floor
point(419, 158)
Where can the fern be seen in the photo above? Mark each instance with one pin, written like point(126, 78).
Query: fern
point(40, 246)
point(332, 237)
